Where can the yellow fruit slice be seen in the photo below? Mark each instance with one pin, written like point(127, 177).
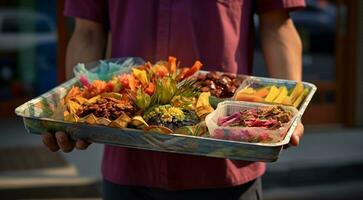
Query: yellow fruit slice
point(203, 99)
point(274, 92)
point(202, 106)
point(297, 91)
point(300, 98)
point(282, 94)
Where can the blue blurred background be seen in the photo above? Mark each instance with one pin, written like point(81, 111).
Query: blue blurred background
point(28, 45)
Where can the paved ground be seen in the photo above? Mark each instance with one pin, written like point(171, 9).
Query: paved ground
point(80, 178)
point(326, 165)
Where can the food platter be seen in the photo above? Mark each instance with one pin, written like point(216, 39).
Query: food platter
point(45, 114)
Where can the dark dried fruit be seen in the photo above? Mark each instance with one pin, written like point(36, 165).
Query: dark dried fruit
point(221, 85)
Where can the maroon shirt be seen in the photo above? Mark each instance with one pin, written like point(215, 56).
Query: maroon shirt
point(217, 32)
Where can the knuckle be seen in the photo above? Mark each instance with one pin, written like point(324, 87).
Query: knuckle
point(67, 150)
point(81, 145)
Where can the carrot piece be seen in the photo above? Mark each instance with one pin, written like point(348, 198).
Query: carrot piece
point(197, 66)
point(172, 62)
point(150, 88)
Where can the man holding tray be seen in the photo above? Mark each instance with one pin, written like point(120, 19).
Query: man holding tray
point(220, 33)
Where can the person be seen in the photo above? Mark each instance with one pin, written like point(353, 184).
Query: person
point(220, 33)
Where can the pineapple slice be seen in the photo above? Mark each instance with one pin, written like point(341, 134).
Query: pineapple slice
point(300, 98)
point(297, 91)
point(202, 106)
point(274, 92)
point(282, 95)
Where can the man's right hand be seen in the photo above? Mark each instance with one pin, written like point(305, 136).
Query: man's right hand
point(60, 140)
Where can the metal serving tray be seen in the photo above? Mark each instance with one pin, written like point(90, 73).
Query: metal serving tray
point(43, 114)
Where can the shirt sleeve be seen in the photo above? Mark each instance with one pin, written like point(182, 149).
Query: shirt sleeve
point(94, 10)
point(262, 6)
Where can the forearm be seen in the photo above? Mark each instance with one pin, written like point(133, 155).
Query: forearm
point(281, 46)
point(86, 44)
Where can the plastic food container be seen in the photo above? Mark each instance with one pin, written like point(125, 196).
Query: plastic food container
point(246, 134)
point(259, 82)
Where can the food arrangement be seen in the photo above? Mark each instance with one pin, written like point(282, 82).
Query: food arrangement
point(274, 94)
point(250, 122)
point(160, 96)
point(166, 98)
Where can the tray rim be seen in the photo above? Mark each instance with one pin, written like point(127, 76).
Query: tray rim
point(279, 144)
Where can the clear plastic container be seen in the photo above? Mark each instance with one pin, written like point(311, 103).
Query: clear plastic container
point(246, 134)
point(259, 82)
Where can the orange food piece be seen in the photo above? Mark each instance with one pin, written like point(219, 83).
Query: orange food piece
point(196, 67)
point(172, 62)
point(248, 97)
point(150, 88)
point(73, 92)
point(262, 92)
point(160, 70)
point(287, 101)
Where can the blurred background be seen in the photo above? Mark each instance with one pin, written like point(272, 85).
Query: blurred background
point(327, 165)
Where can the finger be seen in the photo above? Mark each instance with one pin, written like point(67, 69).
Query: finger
point(296, 136)
point(64, 142)
point(50, 142)
point(294, 140)
point(82, 144)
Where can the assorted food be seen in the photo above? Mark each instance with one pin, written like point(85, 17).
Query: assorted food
point(160, 96)
point(274, 94)
point(250, 123)
point(271, 117)
point(167, 98)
